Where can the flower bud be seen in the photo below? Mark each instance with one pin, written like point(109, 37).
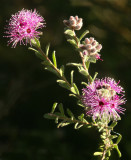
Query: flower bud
point(74, 23)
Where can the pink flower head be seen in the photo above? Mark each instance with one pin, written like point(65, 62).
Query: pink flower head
point(24, 25)
point(102, 99)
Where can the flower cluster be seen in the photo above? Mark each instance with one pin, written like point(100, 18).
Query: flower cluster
point(24, 25)
point(90, 48)
point(74, 23)
point(102, 99)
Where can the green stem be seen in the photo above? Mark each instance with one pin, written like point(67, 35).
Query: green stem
point(107, 142)
point(83, 61)
point(72, 120)
point(84, 66)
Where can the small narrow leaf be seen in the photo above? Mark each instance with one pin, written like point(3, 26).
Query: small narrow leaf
point(62, 70)
point(46, 63)
point(60, 106)
point(83, 35)
point(49, 68)
point(73, 42)
point(118, 151)
point(64, 124)
point(87, 64)
point(70, 114)
point(96, 73)
point(48, 116)
point(69, 32)
point(113, 137)
point(56, 120)
point(98, 153)
point(73, 90)
point(39, 55)
point(54, 59)
point(75, 127)
point(76, 89)
point(30, 48)
point(84, 83)
point(73, 95)
point(83, 71)
point(80, 104)
point(81, 117)
point(72, 78)
point(54, 107)
point(78, 127)
point(47, 49)
point(119, 138)
point(63, 84)
point(35, 42)
point(113, 124)
point(74, 64)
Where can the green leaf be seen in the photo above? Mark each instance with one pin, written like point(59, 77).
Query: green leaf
point(113, 137)
point(72, 78)
point(62, 124)
point(92, 59)
point(54, 59)
point(118, 151)
point(119, 138)
point(30, 48)
point(70, 114)
point(83, 35)
point(84, 83)
point(80, 104)
point(113, 124)
point(74, 64)
point(63, 84)
point(48, 116)
point(96, 73)
point(81, 117)
point(39, 55)
point(73, 95)
point(47, 49)
point(46, 63)
point(83, 71)
point(69, 32)
point(76, 89)
point(87, 64)
point(73, 90)
point(49, 68)
point(62, 70)
point(37, 42)
point(60, 106)
point(75, 126)
point(73, 42)
point(56, 120)
point(79, 126)
point(54, 107)
point(98, 153)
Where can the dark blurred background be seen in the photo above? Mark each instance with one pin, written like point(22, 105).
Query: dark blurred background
point(27, 91)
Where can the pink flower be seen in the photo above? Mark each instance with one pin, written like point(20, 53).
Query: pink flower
point(24, 25)
point(102, 99)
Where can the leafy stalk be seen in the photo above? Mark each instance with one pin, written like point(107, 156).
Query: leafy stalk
point(52, 66)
